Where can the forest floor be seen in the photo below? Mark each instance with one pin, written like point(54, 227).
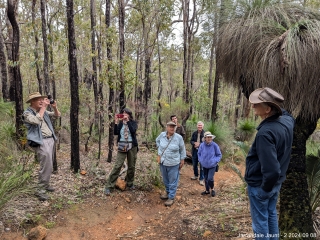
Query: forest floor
point(78, 209)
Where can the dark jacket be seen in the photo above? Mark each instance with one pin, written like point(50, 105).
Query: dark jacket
point(180, 130)
point(268, 159)
point(133, 126)
point(194, 139)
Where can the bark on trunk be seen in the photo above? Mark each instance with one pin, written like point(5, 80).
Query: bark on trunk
point(111, 85)
point(295, 209)
point(45, 48)
point(36, 39)
point(74, 90)
point(122, 100)
point(12, 5)
point(3, 67)
point(10, 58)
point(94, 59)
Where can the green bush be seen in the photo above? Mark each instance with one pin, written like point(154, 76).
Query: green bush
point(245, 130)
point(15, 165)
point(313, 175)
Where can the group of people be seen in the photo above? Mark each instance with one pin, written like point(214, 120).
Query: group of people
point(266, 163)
point(171, 155)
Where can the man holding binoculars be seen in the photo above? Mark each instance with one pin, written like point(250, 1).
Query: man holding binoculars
point(41, 137)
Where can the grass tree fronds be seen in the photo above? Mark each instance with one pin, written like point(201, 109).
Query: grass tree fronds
point(277, 46)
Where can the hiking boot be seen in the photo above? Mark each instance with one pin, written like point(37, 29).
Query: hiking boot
point(107, 191)
point(131, 188)
point(50, 189)
point(205, 193)
point(164, 196)
point(213, 193)
point(201, 182)
point(41, 196)
point(169, 202)
point(194, 178)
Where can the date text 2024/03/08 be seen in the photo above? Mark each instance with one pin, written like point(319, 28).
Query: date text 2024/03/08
point(285, 235)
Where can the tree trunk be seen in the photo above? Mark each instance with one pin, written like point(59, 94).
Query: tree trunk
point(74, 89)
point(45, 48)
point(94, 59)
point(12, 5)
point(211, 69)
point(122, 100)
point(36, 39)
point(10, 58)
point(3, 67)
point(111, 84)
point(295, 209)
point(237, 108)
point(160, 87)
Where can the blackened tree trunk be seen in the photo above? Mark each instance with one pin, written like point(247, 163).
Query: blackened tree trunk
point(122, 100)
point(3, 67)
point(295, 210)
point(160, 84)
point(74, 89)
point(36, 47)
point(45, 48)
point(12, 5)
point(94, 58)
point(10, 58)
point(111, 84)
point(215, 99)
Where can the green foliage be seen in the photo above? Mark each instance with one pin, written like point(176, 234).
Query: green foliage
point(15, 167)
point(222, 131)
point(312, 148)
point(245, 130)
point(313, 175)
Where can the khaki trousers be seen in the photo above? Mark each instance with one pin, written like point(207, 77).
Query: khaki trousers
point(131, 156)
point(44, 156)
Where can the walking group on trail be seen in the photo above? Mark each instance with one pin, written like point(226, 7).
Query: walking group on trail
point(266, 162)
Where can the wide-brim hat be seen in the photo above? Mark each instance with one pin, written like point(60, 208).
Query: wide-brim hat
point(208, 134)
point(267, 95)
point(171, 123)
point(35, 95)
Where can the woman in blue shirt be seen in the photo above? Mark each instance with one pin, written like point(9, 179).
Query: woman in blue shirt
point(209, 156)
point(171, 152)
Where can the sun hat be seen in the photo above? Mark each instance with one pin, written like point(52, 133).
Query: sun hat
point(35, 95)
point(207, 134)
point(267, 95)
point(171, 123)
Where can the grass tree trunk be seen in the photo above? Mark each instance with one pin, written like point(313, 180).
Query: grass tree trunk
point(3, 67)
point(36, 47)
point(45, 48)
point(295, 210)
point(111, 84)
point(122, 100)
point(12, 5)
point(74, 89)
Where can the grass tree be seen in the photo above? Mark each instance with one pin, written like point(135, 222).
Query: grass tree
point(279, 46)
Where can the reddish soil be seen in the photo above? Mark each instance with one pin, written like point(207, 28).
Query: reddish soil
point(142, 215)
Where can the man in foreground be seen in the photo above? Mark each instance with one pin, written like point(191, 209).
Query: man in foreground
point(41, 138)
point(268, 161)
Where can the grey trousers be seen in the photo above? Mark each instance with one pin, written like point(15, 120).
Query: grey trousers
point(44, 156)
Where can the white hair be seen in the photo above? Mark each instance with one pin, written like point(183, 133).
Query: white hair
point(200, 123)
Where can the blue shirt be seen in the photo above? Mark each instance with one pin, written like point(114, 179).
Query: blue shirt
point(122, 139)
point(209, 154)
point(174, 153)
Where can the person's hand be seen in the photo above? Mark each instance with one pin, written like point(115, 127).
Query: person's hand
point(116, 119)
point(54, 105)
point(158, 159)
point(181, 164)
point(196, 144)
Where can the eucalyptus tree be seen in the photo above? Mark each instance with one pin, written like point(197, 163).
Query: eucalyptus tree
point(45, 47)
point(3, 66)
point(74, 89)
point(11, 11)
point(279, 47)
point(36, 47)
